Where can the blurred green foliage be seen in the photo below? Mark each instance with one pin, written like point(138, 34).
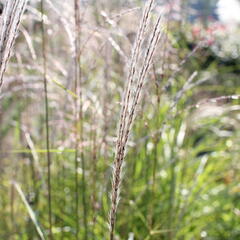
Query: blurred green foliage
point(181, 174)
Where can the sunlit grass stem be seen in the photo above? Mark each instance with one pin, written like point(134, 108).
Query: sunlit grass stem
point(79, 153)
point(49, 184)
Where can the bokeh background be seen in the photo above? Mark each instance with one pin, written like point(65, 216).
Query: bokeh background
point(181, 172)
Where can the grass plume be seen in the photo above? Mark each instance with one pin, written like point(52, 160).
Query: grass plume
point(11, 18)
point(129, 104)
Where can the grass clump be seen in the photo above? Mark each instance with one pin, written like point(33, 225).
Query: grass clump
point(117, 121)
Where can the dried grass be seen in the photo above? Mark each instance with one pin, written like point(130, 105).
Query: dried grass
point(11, 18)
point(133, 89)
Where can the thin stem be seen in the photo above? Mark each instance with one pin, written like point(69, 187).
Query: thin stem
point(76, 63)
point(46, 121)
point(79, 124)
point(155, 141)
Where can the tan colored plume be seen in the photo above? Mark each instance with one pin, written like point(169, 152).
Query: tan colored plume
point(10, 20)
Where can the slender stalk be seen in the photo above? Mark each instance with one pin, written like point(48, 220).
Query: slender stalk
point(76, 191)
point(172, 198)
point(79, 124)
point(94, 174)
point(156, 139)
point(63, 199)
point(76, 72)
point(12, 202)
point(46, 120)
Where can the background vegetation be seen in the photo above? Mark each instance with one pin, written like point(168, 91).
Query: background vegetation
point(181, 172)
